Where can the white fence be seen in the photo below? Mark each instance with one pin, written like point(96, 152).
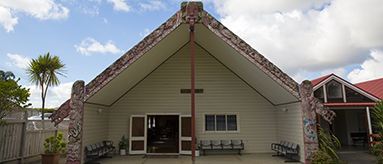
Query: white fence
point(24, 138)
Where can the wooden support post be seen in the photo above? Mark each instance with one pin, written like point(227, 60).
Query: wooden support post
point(369, 127)
point(23, 138)
point(192, 93)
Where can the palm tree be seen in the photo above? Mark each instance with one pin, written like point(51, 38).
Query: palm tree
point(6, 75)
point(43, 72)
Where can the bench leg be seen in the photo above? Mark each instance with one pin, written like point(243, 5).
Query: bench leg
point(292, 160)
point(204, 154)
point(240, 152)
point(277, 155)
point(106, 156)
point(92, 163)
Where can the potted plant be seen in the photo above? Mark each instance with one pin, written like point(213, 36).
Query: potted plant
point(53, 149)
point(123, 144)
point(197, 147)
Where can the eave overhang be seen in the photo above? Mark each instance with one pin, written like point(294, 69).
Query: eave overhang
point(363, 104)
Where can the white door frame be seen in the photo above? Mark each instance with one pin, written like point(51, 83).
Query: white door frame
point(137, 138)
point(183, 138)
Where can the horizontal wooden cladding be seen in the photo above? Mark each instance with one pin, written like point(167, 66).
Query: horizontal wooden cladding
point(95, 126)
point(224, 92)
point(289, 125)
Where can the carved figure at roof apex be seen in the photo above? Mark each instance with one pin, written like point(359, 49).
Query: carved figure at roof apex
point(192, 12)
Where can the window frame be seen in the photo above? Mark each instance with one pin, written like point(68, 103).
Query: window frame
point(215, 119)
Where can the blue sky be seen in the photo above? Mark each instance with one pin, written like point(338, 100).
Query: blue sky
point(305, 38)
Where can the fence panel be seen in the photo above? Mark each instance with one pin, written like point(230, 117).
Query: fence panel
point(10, 140)
point(11, 137)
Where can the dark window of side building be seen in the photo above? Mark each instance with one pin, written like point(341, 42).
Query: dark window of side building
point(352, 96)
point(319, 94)
point(334, 92)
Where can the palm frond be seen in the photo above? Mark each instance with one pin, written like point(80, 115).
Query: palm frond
point(43, 72)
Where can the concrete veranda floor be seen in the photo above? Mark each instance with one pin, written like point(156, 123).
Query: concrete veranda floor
point(185, 159)
point(266, 158)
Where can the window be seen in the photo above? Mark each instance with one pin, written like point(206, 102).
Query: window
point(221, 122)
point(353, 96)
point(319, 94)
point(334, 92)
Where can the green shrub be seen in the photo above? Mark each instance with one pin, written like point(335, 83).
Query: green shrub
point(328, 143)
point(55, 145)
point(321, 157)
point(46, 110)
point(377, 115)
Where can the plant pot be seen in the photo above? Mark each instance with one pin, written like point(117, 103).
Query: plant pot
point(122, 151)
point(50, 158)
point(197, 153)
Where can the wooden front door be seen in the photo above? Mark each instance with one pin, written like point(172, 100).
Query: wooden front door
point(185, 134)
point(137, 134)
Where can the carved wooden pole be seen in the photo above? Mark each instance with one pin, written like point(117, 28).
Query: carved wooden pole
point(311, 106)
point(75, 137)
point(192, 16)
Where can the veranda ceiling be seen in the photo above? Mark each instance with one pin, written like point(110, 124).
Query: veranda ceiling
point(242, 67)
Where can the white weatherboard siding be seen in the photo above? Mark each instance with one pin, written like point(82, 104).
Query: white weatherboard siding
point(224, 92)
point(95, 126)
point(289, 125)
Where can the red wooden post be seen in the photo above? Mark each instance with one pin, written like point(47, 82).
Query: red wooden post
point(192, 93)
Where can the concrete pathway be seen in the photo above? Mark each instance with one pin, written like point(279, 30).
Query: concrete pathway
point(263, 158)
point(184, 159)
point(357, 157)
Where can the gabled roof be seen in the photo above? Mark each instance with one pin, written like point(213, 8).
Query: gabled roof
point(233, 52)
point(374, 87)
point(319, 82)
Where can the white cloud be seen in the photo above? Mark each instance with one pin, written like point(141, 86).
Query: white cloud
point(6, 19)
point(55, 97)
point(120, 5)
point(152, 5)
point(90, 45)
point(232, 7)
point(8, 64)
point(370, 69)
point(62, 91)
point(337, 71)
point(19, 61)
point(307, 36)
point(363, 19)
point(89, 10)
point(299, 78)
point(40, 9)
point(145, 33)
point(105, 20)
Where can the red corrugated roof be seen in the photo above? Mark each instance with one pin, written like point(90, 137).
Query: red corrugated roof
point(363, 104)
point(375, 87)
point(318, 80)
